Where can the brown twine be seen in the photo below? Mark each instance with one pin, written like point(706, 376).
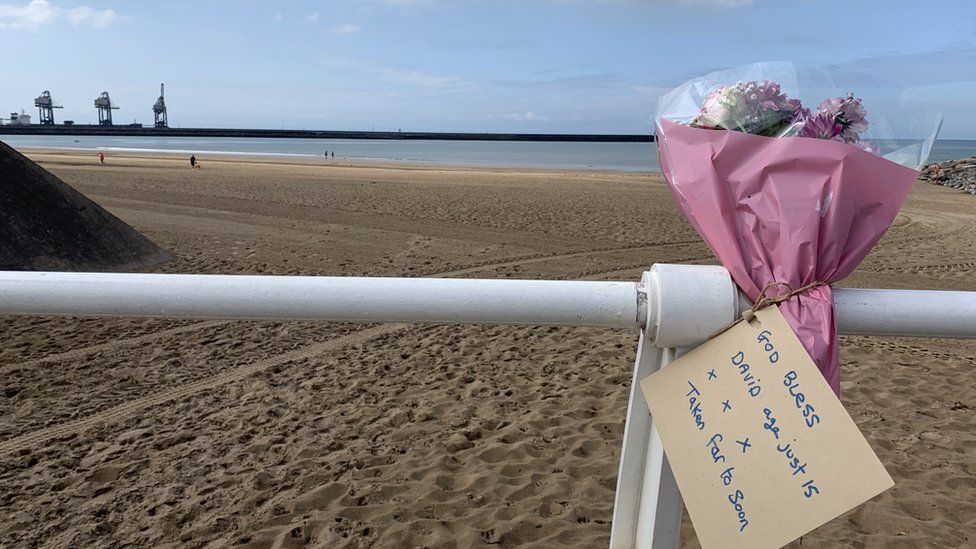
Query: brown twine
point(764, 301)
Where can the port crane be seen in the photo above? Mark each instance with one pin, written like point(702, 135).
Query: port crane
point(46, 105)
point(159, 110)
point(105, 107)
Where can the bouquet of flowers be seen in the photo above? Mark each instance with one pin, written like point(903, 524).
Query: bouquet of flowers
point(787, 197)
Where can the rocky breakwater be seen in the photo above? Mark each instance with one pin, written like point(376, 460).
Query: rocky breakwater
point(958, 174)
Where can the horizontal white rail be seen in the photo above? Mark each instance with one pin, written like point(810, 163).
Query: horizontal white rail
point(920, 313)
point(676, 310)
point(915, 313)
point(443, 300)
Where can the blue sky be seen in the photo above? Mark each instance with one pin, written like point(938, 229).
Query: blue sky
point(457, 65)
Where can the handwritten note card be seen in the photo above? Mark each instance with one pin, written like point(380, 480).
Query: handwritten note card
point(761, 448)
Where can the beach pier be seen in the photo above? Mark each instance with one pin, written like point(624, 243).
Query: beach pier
point(673, 306)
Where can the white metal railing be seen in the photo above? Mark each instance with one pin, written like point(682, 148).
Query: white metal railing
point(336, 298)
point(614, 304)
point(673, 306)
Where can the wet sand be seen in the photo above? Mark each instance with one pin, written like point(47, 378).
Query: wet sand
point(133, 432)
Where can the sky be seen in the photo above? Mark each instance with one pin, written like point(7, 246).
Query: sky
point(560, 66)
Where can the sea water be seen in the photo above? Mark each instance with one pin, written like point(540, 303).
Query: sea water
point(631, 157)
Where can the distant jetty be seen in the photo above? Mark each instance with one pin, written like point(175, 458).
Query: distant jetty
point(78, 129)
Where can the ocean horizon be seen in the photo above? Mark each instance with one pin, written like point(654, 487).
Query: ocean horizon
point(597, 156)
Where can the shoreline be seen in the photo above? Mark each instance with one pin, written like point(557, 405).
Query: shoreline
point(294, 159)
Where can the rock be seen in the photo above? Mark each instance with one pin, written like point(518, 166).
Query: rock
point(47, 225)
point(956, 174)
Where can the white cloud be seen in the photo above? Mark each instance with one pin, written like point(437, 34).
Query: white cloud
point(312, 18)
point(38, 13)
point(403, 77)
point(524, 117)
point(32, 15)
point(347, 28)
point(97, 18)
point(651, 90)
point(417, 78)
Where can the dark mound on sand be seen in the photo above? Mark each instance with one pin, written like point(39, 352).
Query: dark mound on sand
point(45, 225)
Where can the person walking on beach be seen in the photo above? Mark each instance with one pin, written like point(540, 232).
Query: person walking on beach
point(101, 157)
point(193, 161)
point(326, 153)
point(333, 153)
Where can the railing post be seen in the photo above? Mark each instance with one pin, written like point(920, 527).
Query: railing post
point(685, 305)
point(647, 507)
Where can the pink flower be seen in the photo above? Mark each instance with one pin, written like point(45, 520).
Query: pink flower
point(839, 119)
point(849, 113)
point(821, 125)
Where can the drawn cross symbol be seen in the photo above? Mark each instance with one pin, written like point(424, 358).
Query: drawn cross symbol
point(712, 374)
point(726, 406)
point(745, 443)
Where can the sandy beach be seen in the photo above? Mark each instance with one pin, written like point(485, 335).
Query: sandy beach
point(138, 433)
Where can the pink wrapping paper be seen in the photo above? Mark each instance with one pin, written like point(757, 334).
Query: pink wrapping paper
point(794, 210)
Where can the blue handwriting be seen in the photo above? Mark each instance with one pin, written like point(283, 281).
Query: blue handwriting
point(810, 416)
point(694, 405)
